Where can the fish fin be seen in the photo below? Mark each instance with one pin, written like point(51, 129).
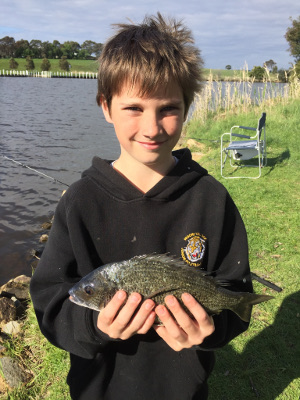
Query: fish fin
point(244, 308)
point(161, 291)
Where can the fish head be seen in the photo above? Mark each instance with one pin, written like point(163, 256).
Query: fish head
point(93, 292)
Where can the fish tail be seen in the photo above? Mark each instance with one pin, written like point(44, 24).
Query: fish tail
point(244, 308)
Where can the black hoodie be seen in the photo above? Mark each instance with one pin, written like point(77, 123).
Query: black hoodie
point(103, 218)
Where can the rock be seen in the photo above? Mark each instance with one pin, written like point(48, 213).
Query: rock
point(12, 328)
point(12, 372)
point(23, 279)
point(18, 287)
point(47, 225)
point(43, 238)
point(8, 310)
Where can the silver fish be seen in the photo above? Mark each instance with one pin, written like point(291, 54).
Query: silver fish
point(155, 276)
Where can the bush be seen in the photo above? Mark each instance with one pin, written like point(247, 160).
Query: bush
point(29, 63)
point(46, 65)
point(258, 73)
point(64, 64)
point(13, 64)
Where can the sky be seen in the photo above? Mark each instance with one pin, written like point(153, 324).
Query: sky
point(228, 32)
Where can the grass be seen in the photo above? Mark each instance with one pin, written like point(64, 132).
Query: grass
point(92, 66)
point(76, 65)
point(47, 365)
point(264, 361)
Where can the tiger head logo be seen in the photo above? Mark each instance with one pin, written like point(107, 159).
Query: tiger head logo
point(194, 251)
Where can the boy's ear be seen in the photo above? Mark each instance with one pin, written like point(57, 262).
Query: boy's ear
point(106, 110)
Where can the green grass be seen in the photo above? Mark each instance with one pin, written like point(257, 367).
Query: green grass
point(76, 65)
point(47, 365)
point(264, 362)
point(92, 66)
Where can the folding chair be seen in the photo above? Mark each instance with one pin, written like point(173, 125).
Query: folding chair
point(240, 150)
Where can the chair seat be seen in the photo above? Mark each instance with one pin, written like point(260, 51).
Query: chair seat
point(242, 144)
point(238, 151)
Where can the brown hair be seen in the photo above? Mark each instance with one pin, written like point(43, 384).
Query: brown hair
point(150, 54)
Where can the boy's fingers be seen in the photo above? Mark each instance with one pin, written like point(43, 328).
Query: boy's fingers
point(126, 313)
point(109, 313)
point(142, 320)
point(205, 321)
point(147, 324)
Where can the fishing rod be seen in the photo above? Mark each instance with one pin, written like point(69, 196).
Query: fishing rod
point(38, 172)
point(264, 282)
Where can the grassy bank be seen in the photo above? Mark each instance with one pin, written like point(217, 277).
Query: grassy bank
point(263, 362)
point(92, 66)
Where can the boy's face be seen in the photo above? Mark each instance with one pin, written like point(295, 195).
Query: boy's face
point(147, 127)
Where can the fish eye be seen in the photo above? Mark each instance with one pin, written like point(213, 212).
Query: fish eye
point(89, 290)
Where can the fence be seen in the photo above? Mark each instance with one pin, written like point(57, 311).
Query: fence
point(48, 74)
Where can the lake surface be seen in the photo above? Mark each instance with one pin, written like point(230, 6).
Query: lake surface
point(54, 126)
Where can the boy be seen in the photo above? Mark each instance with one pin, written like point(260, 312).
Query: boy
point(149, 200)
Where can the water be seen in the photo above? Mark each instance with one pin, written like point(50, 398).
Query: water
point(56, 127)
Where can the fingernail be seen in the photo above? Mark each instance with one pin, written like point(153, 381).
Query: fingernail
point(149, 305)
point(134, 298)
point(171, 300)
point(186, 297)
point(160, 310)
point(121, 295)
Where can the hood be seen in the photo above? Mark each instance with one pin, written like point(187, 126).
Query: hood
point(183, 175)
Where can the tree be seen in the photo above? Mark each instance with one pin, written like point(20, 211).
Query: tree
point(88, 46)
point(29, 63)
point(36, 48)
point(13, 64)
point(70, 49)
point(56, 49)
point(293, 37)
point(20, 48)
point(270, 65)
point(97, 49)
point(45, 66)
point(228, 67)
point(258, 73)
point(282, 75)
point(64, 64)
point(7, 46)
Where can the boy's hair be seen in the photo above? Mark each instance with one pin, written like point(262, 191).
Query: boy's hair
point(150, 55)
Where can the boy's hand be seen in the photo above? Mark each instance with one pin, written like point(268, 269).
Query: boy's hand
point(180, 331)
point(122, 323)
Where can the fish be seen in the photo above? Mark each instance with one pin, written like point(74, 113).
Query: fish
point(155, 276)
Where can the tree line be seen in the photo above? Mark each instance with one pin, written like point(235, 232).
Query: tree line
point(10, 48)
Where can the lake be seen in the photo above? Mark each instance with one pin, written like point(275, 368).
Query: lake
point(55, 127)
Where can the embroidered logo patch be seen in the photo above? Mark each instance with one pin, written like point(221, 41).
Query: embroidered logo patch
point(194, 251)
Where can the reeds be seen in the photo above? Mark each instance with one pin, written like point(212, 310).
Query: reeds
point(219, 98)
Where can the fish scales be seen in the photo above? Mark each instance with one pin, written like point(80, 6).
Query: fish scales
point(156, 276)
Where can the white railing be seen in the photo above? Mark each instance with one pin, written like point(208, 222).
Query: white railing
point(48, 74)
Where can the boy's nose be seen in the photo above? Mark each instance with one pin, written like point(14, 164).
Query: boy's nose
point(151, 126)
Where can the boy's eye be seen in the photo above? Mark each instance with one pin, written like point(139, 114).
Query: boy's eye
point(133, 108)
point(169, 108)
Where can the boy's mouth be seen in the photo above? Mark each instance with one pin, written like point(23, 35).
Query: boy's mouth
point(151, 145)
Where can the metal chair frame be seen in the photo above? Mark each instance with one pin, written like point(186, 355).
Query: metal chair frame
point(239, 150)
